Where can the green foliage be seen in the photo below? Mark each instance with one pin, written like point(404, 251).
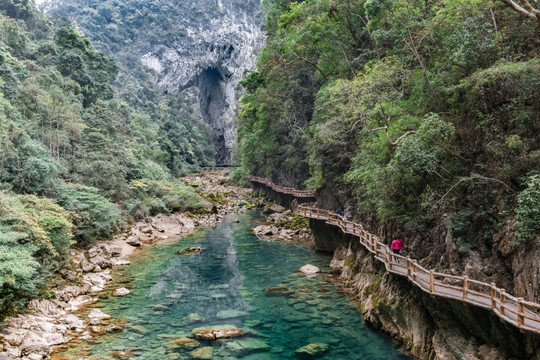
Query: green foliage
point(528, 212)
point(296, 223)
point(410, 112)
point(94, 216)
point(151, 197)
point(238, 176)
point(18, 270)
point(35, 239)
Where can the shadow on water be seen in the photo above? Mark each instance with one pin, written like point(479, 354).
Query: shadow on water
point(236, 280)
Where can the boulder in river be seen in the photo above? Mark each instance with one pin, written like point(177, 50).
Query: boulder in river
point(312, 350)
point(310, 270)
point(122, 292)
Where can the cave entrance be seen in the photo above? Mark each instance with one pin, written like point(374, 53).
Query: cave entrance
point(213, 105)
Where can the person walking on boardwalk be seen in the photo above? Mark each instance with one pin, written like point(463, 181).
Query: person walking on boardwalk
point(397, 247)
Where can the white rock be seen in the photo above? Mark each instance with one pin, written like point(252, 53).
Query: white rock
point(310, 270)
point(98, 314)
point(121, 262)
point(72, 321)
point(122, 292)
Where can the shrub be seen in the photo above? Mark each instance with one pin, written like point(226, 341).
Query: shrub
point(47, 224)
point(153, 197)
point(238, 176)
point(35, 238)
point(95, 216)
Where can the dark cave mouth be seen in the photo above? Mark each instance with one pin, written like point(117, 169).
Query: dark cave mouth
point(213, 103)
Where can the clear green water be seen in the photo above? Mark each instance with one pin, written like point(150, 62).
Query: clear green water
point(233, 272)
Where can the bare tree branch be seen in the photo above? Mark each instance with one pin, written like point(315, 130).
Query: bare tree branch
point(525, 8)
point(472, 178)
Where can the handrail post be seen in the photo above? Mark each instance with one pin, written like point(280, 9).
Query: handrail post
point(408, 263)
point(431, 281)
point(414, 270)
point(493, 301)
point(520, 313)
point(503, 300)
point(388, 258)
point(318, 212)
point(465, 286)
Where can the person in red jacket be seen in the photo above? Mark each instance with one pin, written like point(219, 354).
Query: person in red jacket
point(397, 247)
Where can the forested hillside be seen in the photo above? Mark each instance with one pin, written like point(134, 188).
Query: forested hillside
point(79, 156)
point(419, 117)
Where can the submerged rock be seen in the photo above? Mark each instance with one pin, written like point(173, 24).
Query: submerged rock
point(204, 353)
point(217, 332)
point(243, 347)
point(190, 250)
point(183, 342)
point(277, 290)
point(194, 318)
point(312, 350)
point(231, 314)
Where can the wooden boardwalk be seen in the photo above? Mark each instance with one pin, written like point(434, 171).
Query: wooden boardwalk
point(516, 311)
point(282, 189)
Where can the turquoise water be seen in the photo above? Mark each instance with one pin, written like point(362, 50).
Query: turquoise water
point(234, 272)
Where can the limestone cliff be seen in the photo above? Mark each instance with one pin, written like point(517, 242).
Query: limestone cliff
point(208, 62)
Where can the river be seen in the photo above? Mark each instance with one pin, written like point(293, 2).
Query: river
point(228, 284)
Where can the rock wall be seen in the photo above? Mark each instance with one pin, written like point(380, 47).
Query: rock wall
point(430, 327)
point(208, 61)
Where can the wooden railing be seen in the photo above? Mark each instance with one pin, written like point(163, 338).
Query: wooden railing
point(282, 189)
point(516, 311)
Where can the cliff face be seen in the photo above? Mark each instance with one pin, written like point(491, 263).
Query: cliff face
point(430, 327)
point(208, 61)
point(200, 49)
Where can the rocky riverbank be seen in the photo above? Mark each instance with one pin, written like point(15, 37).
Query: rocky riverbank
point(54, 321)
point(284, 225)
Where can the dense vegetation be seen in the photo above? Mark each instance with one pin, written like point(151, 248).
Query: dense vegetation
point(422, 116)
point(79, 156)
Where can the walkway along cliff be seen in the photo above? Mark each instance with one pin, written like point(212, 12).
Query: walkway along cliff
point(431, 325)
